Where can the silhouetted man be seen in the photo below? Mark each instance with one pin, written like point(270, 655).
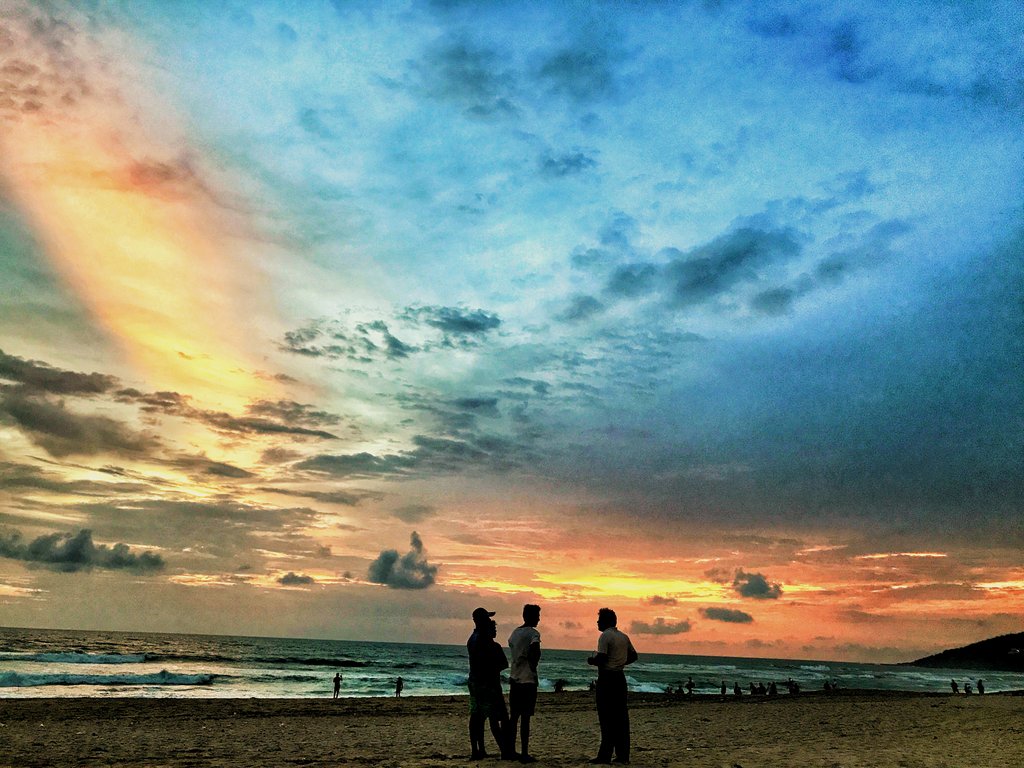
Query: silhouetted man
point(524, 648)
point(486, 700)
point(614, 652)
point(337, 684)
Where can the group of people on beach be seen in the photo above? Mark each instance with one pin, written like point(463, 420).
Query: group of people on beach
point(967, 687)
point(487, 700)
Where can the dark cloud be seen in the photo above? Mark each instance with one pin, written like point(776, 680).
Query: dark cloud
point(201, 465)
point(487, 406)
point(659, 600)
point(710, 270)
point(14, 476)
point(408, 571)
point(582, 73)
point(414, 513)
point(631, 280)
point(62, 432)
point(39, 376)
point(730, 615)
point(462, 72)
point(660, 627)
point(580, 308)
point(281, 417)
point(456, 321)
point(344, 498)
point(292, 579)
point(572, 626)
point(756, 585)
point(76, 552)
point(361, 464)
point(568, 164)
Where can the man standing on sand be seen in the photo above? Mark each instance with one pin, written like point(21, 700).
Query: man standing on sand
point(524, 648)
point(614, 652)
point(486, 701)
point(337, 684)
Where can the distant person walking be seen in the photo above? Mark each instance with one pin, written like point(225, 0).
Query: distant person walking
point(981, 687)
point(614, 652)
point(524, 650)
point(337, 684)
point(954, 686)
point(399, 687)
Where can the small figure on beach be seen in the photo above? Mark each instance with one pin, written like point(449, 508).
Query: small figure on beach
point(736, 690)
point(486, 700)
point(773, 690)
point(399, 687)
point(981, 687)
point(689, 686)
point(614, 653)
point(337, 684)
point(761, 690)
point(524, 649)
point(953, 684)
point(967, 687)
point(724, 689)
point(560, 684)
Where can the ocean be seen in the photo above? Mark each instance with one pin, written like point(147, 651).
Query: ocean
point(43, 663)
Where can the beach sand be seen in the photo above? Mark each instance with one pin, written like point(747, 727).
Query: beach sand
point(844, 729)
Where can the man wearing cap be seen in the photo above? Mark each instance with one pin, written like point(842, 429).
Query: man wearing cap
point(614, 652)
point(486, 700)
point(524, 648)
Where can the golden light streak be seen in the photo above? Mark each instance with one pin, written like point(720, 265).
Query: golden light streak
point(149, 268)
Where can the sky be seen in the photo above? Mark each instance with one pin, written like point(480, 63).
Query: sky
point(340, 319)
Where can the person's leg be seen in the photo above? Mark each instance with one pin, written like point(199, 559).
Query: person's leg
point(476, 736)
point(525, 736)
point(605, 716)
point(621, 722)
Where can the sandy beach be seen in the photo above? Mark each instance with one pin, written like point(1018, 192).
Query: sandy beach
point(844, 729)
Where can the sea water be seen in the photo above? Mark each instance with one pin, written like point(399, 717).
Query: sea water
point(42, 662)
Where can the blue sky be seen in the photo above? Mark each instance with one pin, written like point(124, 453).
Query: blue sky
point(691, 274)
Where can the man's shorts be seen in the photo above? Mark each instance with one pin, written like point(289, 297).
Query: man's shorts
point(487, 700)
point(522, 698)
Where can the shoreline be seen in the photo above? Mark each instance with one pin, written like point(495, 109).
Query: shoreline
point(847, 728)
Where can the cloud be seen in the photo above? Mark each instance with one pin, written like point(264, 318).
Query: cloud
point(580, 308)
point(572, 626)
point(660, 627)
point(292, 579)
point(281, 417)
point(756, 585)
point(76, 552)
point(344, 498)
point(408, 571)
point(729, 615)
point(361, 464)
point(26, 476)
point(64, 433)
point(457, 321)
point(583, 73)
point(710, 270)
point(414, 513)
point(39, 376)
point(659, 600)
point(462, 72)
point(568, 164)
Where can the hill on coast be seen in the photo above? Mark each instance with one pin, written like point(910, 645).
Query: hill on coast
point(1005, 653)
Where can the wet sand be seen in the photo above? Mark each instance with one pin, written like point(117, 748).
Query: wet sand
point(844, 729)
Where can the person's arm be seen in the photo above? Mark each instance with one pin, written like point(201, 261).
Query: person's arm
point(631, 654)
point(598, 659)
point(533, 656)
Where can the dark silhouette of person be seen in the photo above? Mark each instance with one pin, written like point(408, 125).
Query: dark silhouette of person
point(954, 686)
point(399, 687)
point(967, 687)
point(761, 690)
point(736, 690)
point(337, 684)
point(486, 700)
point(524, 650)
point(723, 688)
point(753, 688)
point(981, 687)
point(614, 652)
point(689, 687)
point(773, 689)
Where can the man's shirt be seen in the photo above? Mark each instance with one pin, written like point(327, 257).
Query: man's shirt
point(519, 643)
point(616, 646)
